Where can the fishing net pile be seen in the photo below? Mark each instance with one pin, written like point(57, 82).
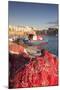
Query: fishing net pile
point(37, 72)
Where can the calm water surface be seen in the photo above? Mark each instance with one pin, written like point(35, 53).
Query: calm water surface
point(52, 45)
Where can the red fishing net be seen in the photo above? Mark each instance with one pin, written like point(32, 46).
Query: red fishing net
point(40, 71)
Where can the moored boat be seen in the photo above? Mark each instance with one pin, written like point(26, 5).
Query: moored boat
point(35, 40)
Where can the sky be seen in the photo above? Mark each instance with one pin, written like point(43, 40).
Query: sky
point(32, 14)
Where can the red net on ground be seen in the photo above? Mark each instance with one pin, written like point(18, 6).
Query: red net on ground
point(40, 71)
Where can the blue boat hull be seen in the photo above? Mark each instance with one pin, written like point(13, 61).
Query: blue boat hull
point(36, 42)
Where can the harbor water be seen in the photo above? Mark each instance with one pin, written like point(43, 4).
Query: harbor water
point(52, 45)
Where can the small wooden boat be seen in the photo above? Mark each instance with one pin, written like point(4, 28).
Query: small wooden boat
point(36, 40)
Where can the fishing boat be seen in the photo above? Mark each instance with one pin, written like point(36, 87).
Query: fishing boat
point(34, 39)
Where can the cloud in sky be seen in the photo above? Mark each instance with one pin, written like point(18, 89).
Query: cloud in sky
point(53, 22)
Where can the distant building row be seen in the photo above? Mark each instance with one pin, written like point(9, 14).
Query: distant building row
point(20, 30)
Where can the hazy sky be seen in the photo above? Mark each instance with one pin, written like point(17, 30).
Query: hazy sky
point(32, 14)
